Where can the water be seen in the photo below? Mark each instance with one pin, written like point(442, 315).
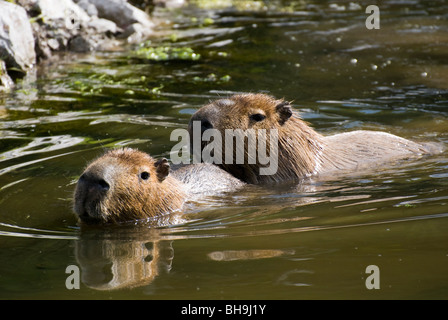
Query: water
point(309, 242)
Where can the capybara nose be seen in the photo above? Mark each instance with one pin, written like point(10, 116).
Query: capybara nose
point(92, 182)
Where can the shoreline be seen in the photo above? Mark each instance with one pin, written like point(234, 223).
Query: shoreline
point(32, 31)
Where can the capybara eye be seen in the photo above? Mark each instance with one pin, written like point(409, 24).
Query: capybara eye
point(144, 175)
point(257, 117)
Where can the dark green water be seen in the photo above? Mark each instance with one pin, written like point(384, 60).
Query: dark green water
point(262, 243)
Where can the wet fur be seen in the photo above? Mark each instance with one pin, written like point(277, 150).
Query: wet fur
point(129, 197)
point(303, 152)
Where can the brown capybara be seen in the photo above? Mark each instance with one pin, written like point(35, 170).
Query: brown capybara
point(127, 184)
point(300, 151)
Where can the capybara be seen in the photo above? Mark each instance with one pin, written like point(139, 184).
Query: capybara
point(127, 184)
point(301, 152)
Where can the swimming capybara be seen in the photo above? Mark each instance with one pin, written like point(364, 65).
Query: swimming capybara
point(300, 152)
point(127, 184)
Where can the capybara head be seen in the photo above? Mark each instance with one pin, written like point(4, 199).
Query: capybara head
point(295, 148)
point(124, 185)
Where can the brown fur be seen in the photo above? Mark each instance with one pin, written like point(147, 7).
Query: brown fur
point(112, 188)
point(127, 184)
point(302, 152)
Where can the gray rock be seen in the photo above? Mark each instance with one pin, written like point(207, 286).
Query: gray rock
point(59, 25)
point(122, 13)
point(6, 82)
point(81, 44)
point(16, 37)
point(135, 33)
point(104, 26)
point(63, 10)
point(170, 4)
point(88, 7)
point(68, 26)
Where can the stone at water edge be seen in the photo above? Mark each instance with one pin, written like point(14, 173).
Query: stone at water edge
point(16, 37)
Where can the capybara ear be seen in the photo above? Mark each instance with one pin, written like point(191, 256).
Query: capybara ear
point(284, 110)
point(162, 169)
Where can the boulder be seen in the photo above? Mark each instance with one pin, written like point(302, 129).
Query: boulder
point(104, 26)
point(64, 10)
point(16, 37)
point(88, 7)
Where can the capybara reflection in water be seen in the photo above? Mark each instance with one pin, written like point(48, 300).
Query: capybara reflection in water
point(301, 152)
point(127, 184)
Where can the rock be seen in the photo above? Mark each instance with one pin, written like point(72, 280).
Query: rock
point(63, 10)
point(170, 4)
point(61, 20)
point(68, 26)
point(88, 7)
point(16, 37)
point(81, 44)
point(135, 33)
point(104, 26)
point(83, 26)
point(59, 25)
point(6, 82)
